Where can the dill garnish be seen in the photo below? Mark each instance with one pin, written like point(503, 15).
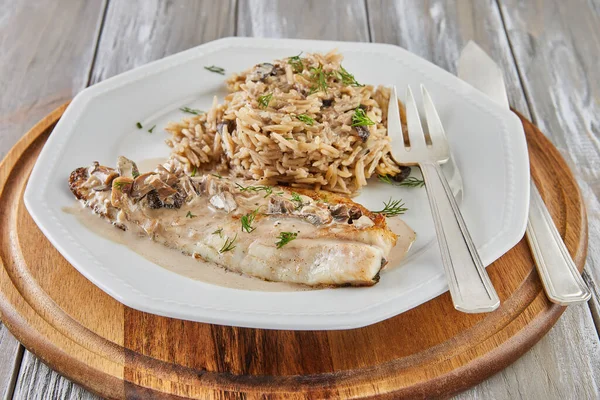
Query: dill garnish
point(285, 238)
point(296, 63)
point(347, 78)
point(411, 181)
point(306, 119)
point(217, 176)
point(360, 118)
point(267, 189)
point(297, 199)
point(247, 221)
point(218, 232)
point(319, 78)
point(119, 185)
point(392, 208)
point(190, 215)
point(151, 129)
point(194, 171)
point(194, 111)
point(264, 100)
point(228, 245)
point(139, 125)
point(215, 69)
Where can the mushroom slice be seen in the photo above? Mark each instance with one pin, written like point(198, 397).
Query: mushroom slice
point(121, 187)
point(185, 183)
point(315, 214)
point(363, 222)
point(341, 212)
point(127, 168)
point(166, 176)
point(163, 190)
point(104, 175)
point(224, 201)
point(279, 205)
point(142, 185)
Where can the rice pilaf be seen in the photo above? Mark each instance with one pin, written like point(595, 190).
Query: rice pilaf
point(302, 121)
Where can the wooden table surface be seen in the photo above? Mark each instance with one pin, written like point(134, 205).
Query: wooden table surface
point(548, 49)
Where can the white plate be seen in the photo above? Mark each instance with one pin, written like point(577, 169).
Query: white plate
point(100, 125)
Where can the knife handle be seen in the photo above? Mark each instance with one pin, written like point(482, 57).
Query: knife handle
point(560, 277)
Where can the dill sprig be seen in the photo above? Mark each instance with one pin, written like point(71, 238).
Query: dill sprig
point(306, 119)
point(411, 181)
point(119, 184)
point(360, 118)
point(392, 208)
point(194, 111)
point(297, 199)
point(218, 232)
point(264, 100)
point(296, 63)
point(194, 172)
point(247, 221)
point(139, 125)
point(267, 189)
point(190, 215)
point(319, 78)
point(386, 179)
point(217, 176)
point(215, 69)
point(151, 129)
point(228, 245)
point(285, 238)
point(347, 78)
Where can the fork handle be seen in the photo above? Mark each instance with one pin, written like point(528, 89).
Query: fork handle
point(470, 286)
point(560, 277)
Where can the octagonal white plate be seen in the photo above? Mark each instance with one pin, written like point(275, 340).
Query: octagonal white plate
point(100, 125)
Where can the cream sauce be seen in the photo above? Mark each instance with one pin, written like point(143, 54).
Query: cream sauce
point(175, 261)
point(149, 164)
point(406, 237)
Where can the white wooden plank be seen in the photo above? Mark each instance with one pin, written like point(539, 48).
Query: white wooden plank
point(556, 45)
point(37, 381)
point(313, 19)
point(10, 359)
point(565, 363)
point(47, 50)
point(137, 32)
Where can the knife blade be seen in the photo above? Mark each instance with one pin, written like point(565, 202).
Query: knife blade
point(561, 279)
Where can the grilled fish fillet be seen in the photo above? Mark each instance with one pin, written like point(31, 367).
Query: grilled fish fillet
point(271, 233)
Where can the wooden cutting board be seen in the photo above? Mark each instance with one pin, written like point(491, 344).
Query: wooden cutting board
point(118, 352)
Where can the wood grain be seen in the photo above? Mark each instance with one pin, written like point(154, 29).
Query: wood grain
point(140, 31)
point(556, 46)
point(313, 19)
point(47, 50)
point(50, 385)
point(429, 350)
point(10, 360)
point(438, 30)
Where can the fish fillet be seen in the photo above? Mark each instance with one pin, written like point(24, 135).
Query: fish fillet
point(272, 233)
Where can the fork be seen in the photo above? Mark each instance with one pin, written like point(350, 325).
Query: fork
point(470, 286)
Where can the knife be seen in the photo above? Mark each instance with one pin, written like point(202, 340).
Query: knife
point(561, 279)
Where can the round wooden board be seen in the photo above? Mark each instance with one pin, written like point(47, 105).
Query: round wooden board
point(119, 352)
